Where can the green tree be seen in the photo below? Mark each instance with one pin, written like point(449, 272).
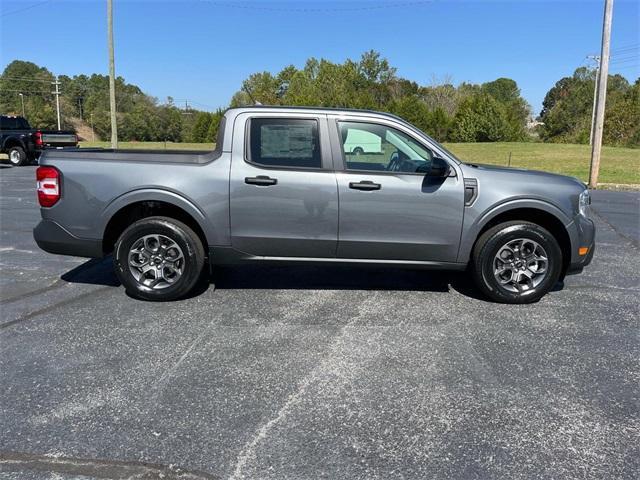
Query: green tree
point(201, 126)
point(480, 118)
point(567, 110)
point(507, 93)
point(212, 131)
point(34, 83)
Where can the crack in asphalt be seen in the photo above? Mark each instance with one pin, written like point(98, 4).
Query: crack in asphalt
point(97, 468)
point(54, 306)
point(58, 283)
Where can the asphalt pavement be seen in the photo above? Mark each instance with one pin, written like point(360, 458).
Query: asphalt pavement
point(301, 372)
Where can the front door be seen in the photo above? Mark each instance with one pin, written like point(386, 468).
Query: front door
point(389, 207)
point(284, 198)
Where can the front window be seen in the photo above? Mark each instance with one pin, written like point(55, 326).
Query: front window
point(374, 147)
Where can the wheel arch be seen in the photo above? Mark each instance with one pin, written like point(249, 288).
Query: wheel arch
point(546, 215)
point(13, 142)
point(142, 204)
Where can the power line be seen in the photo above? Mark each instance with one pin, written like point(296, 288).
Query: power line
point(24, 79)
point(380, 6)
point(25, 91)
point(18, 10)
point(620, 62)
point(635, 46)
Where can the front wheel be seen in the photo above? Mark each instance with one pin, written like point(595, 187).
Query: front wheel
point(516, 262)
point(159, 258)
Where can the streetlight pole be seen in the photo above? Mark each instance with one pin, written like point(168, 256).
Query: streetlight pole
point(112, 77)
point(22, 101)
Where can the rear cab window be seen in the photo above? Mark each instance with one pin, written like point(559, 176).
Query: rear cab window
point(13, 123)
point(285, 143)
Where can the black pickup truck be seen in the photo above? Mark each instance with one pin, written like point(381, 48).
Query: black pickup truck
point(23, 144)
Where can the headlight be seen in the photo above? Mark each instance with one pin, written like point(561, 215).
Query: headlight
point(583, 203)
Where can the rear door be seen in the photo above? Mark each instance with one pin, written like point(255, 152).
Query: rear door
point(390, 209)
point(283, 191)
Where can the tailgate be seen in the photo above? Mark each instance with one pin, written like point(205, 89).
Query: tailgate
point(50, 139)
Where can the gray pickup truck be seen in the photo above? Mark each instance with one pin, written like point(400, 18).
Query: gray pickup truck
point(281, 187)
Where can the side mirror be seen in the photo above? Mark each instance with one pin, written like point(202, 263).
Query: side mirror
point(439, 168)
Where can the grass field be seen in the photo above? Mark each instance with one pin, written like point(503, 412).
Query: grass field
point(618, 165)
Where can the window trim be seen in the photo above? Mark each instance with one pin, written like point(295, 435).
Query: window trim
point(247, 145)
point(340, 147)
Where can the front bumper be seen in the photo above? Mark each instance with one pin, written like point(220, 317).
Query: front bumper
point(585, 236)
point(53, 238)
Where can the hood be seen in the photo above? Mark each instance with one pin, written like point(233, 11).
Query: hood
point(520, 174)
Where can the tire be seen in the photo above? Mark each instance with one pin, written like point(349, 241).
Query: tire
point(17, 156)
point(173, 268)
point(516, 262)
point(358, 151)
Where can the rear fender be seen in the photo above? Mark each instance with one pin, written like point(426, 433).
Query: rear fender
point(159, 195)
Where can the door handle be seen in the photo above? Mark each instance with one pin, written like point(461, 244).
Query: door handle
point(365, 185)
point(261, 180)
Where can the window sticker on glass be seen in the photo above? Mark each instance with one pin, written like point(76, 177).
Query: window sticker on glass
point(287, 141)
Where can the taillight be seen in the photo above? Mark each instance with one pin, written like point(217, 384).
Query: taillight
point(48, 186)
point(38, 139)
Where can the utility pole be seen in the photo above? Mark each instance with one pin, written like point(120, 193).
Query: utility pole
point(112, 77)
point(603, 74)
point(595, 58)
point(21, 95)
point(57, 94)
point(186, 108)
point(93, 132)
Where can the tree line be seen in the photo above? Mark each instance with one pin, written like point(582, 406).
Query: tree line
point(85, 100)
point(487, 112)
point(567, 110)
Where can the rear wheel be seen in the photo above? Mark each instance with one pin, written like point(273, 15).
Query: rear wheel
point(159, 258)
point(516, 262)
point(17, 156)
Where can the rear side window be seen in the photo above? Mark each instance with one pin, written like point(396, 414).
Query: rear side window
point(287, 143)
point(9, 123)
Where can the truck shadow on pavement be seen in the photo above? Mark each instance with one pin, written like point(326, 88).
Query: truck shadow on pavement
point(298, 277)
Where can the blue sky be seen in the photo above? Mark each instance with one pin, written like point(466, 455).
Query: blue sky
point(201, 50)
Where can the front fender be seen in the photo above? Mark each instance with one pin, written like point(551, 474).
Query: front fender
point(160, 195)
point(475, 221)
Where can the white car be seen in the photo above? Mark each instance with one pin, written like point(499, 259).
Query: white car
point(362, 141)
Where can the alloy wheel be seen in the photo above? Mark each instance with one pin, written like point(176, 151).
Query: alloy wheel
point(156, 261)
point(520, 265)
